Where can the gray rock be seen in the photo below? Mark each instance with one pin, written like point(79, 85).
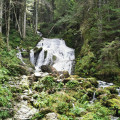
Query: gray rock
point(51, 116)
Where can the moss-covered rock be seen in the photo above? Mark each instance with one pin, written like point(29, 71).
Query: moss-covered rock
point(90, 92)
point(86, 84)
point(37, 50)
point(112, 89)
point(101, 91)
point(115, 105)
point(73, 84)
point(93, 81)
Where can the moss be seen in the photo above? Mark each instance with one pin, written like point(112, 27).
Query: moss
point(37, 50)
point(86, 84)
point(54, 58)
point(90, 92)
point(72, 84)
point(25, 54)
point(112, 89)
point(114, 103)
point(101, 91)
point(93, 81)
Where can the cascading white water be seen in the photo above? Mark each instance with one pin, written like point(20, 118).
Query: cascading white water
point(19, 55)
point(104, 84)
point(55, 53)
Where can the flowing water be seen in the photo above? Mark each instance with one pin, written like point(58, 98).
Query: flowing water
point(54, 52)
point(103, 84)
point(19, 55)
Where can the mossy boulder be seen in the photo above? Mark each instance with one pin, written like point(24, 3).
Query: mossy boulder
point(93, 81)
point(45, 110)
point(101, 91)
point(49, 69)
point(86, 84)
point(73, 84)
point(112, 89)
point(115, 105)
point(66, 74)
point(79, 93)
point(90, 92)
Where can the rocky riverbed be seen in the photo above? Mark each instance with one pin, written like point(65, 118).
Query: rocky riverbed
point(47, 97)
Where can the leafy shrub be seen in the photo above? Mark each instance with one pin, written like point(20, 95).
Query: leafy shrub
point(5, 101)
point(48, 82)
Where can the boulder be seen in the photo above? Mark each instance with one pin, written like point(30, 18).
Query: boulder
point(101, 91)
point(51, 116)
point(49, 69)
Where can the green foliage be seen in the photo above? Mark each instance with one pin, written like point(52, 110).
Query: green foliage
point(37, 116)
point(15, 39)
point(4, 75)
point(77, 111)
point(109, 60)
point(62, 107)
point(72, 84)
point(48, 82)
point(85, 65)
point(5, 101)
point(30, 40)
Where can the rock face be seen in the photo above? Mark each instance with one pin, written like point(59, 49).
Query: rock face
point(24, 112)
point(51, 116)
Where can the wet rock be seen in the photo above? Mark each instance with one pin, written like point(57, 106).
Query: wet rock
point(49, 69)
point(40, 74)
point(63, 74)
point(51, 116)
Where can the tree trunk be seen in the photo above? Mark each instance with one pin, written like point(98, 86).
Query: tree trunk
point(7, 22)
point(24, 19)
point(1, 16)
point(36, 2)
point(100, 27)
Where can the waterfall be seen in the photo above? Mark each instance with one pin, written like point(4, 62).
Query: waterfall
point(19, 55)
point(32, 56)
point(93, 99)
point(55, 53)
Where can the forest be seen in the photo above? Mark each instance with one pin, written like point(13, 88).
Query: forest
point(60, 59)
